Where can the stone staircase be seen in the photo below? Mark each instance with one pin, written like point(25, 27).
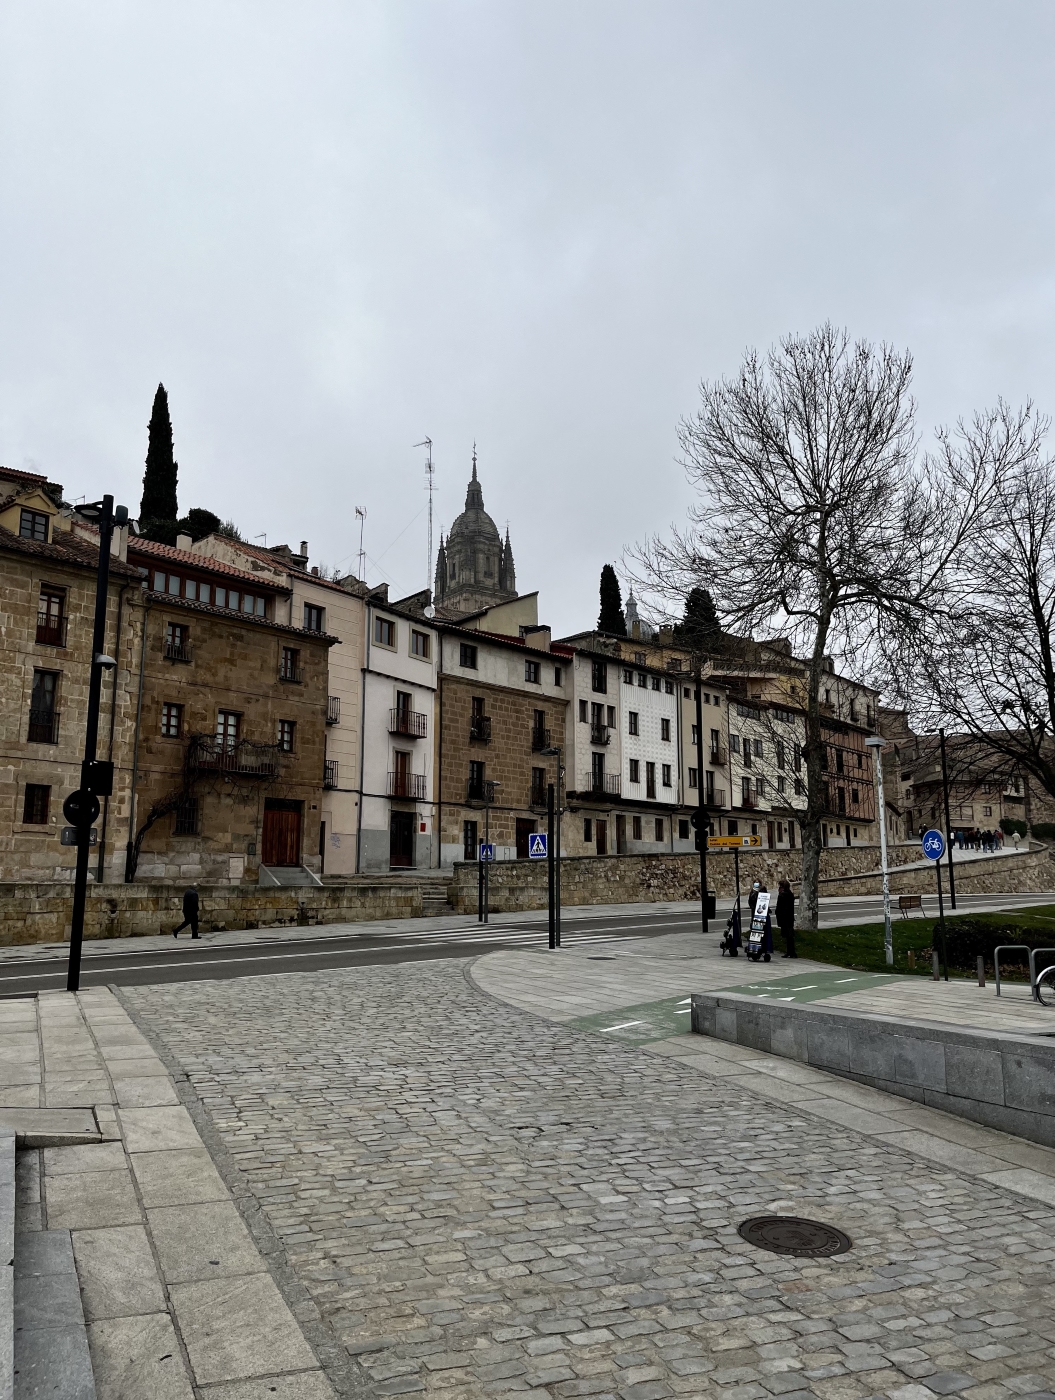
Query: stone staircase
point(435, 900)
point(288, 875)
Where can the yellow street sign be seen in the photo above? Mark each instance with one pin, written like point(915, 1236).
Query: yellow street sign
point(729, 843)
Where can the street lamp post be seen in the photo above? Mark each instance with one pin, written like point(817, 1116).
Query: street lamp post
point(97, 779)
point(703, 825)
point(555, 751)
point(875, 743)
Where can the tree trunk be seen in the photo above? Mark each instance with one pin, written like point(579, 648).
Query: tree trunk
point(816, 787)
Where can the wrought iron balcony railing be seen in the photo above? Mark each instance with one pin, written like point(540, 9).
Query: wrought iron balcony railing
point(239, 758)
point(177, 651)
point(408, 722)
point(293, 675)
point(51, 631)
point(43, 727)
point(600, 734)
point(329, 773)
point(406, 785)
point(479, 791)
point(539, 739)
point(714, 797)
point(608, 784)
point(480, 729)
point(717, 756)
point(333, 709)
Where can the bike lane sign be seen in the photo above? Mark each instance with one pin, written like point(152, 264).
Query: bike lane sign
point(933, 844)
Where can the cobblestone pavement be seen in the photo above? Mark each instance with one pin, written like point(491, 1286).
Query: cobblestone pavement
point(482, 1203)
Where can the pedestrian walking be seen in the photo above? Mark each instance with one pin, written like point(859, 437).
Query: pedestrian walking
point(786, 917)
point(190, 914)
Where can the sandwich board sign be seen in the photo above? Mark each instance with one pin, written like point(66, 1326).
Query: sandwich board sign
point(538, 845)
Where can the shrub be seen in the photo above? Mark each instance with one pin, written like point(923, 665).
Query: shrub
point(1043, 831)
point(1010, 825)
point(967, 939)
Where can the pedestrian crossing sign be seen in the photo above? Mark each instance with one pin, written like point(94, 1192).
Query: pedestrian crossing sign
point(537, 845)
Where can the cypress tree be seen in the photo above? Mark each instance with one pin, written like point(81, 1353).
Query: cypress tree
point(612, 618)
point(700, 628)
point(158, 510)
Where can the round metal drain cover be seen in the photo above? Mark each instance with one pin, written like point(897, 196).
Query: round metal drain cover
point(786, 1234)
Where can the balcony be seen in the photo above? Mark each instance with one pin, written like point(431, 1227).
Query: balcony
point(241, 759)
point(51, 631)
point(717, 756)
point(538, 795)
point(480, 729)
point(43, 727)
point(177, 651)
point(749, 804)
point(333, 709)
point(539, 740)
point(600, 734)
point(408, 722)
point(603, 784)
point(479, 792)
point(292, 675)
point(411, 785)
point(329, 773)
point(714, 797)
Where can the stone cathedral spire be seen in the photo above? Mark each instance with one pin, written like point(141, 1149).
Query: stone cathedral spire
point(474, 567)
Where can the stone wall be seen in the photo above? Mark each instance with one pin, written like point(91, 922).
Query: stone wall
point(522, 884)
point(40, 913)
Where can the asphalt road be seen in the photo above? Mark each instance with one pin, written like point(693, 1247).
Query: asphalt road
point(277, 952)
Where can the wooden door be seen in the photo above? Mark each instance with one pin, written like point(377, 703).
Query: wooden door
point(602, 836)
point(281, 836)
point(620, 834)
point(525, 829)
point(401, 839)
point(770, 842)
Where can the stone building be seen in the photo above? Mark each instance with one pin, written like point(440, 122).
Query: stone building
point(230, 727)
point(474, 566)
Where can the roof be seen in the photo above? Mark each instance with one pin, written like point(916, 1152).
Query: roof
point(68, 550)
point(24, 479)
point(268, 556)
point(324, 638)
point(152, 549)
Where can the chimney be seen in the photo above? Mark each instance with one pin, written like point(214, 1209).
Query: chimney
point(304, 548)
point(184, 542)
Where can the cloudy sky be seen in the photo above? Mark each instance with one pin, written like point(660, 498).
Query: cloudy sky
point(335, 228)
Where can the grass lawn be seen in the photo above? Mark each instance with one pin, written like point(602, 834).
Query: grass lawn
point(860, 946)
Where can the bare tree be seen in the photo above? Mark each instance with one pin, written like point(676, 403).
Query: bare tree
point(984, 664)
point(818, 522)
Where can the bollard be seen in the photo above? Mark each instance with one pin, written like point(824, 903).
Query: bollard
point(934, 968)
point(981, 970)
point(911, 959)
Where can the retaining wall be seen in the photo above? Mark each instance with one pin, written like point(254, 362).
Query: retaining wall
point(1004, 1081)
point(40, 913)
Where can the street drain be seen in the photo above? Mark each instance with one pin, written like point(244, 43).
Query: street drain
point(601, 957)
point(786, 1234)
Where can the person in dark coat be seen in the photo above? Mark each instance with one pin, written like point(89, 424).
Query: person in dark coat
point(786, 917)
point(190, 913)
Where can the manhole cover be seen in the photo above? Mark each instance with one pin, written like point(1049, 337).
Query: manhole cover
point(785, 1234)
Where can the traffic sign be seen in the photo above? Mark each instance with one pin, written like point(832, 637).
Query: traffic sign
point(732, 843)
point(933, 845)
point(81, 807)
point(538, 845)
point(487, 850)
point(695, 820)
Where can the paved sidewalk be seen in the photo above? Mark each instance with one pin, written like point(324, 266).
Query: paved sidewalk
point(177, 1298)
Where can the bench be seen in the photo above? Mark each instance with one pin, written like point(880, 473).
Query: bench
point(905, 902)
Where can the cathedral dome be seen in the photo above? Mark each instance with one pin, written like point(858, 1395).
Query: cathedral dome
point(474, 526)
point(474, 566)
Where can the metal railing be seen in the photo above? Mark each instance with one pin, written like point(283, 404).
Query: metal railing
point(538, 795)
point(333, 709)
point(329, 773)
point(177, 651)
point(1021, 948)
point(51, 631)
point(539, 739)
point(600, 734)
point(406, 785)
point(608, 783)
point(718, 756)
point(480, 729)
point(43, 727)
point(293, 674)
point(409, 722)
point(714, 797)
point(241, 758)
point(479, 792)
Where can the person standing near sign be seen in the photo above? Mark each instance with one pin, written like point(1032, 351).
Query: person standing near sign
point(786, 917)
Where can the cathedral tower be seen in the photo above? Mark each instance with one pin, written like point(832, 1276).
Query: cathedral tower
point(474, 567)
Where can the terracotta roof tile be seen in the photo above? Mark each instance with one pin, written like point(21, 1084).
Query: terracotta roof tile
point(153, 550)
point(267, 556)
point(66, 549)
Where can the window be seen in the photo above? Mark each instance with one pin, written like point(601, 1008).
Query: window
point(732, 828)
point(611, 716)
point(636, 828)
point(664, 730)
point(50, 619)
point(469, 833)
point(642, 679)
point(635, 770)
point(384, 630)
point(221, 596)
point(171, 720)
point(35, 805)
point(659, 828)
point(683, 831)
point(640, 658)
point(538, 787)
point(745, 792)
point(533, 672)
point(745, 750)
point(476, 780)
point(749, 712)
point(558, 675)
point(784, 715)
point(666, 775)
point(467, 658)
point(827, 697)
point(986, 811)
point(780, 753)
point(190, 589)
point(734, 743)
point(655, 682)
point(797, 758)
point(782, 784)
point(186, 823)
point(650, 780)
point(289, 669)
point(668, 687)
point(419, 644)
point(313, 618)
point(599, 677)
point(584, 712)
point(287, 728)
point(799, 787)
point(758, 748)
point(33, 525)
point(43, 720)
point(855, 796)
point(177, 641)
point(628, 676)
point(633, 722)
point(694, 777)
point(760, 788)
point(695, 736)
point(688, 693)
point(174, 583)
point(706, 698)
point(587, 828)
point(228, 724)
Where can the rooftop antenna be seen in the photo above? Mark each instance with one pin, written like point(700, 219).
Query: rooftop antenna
point(262, 537)
point(361, 513)
point(430, 472)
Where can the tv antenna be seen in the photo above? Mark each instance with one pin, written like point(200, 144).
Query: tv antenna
point(430, 472)
point(361, 513)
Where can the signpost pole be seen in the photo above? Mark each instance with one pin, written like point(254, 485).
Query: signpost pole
point(487, 862)
point(736, 872)
point(556, 853)
point(941, 920)
point(875, 743)
point(948, 821)
point(551, 871)
point(479, 883)
point(934, 849)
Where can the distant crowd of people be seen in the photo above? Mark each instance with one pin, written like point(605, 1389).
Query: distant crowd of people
point(971, 839)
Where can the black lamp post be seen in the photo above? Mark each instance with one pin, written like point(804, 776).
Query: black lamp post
point(554, 751)
point(97, 778)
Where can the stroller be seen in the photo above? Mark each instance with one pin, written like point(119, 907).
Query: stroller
point(731, 940)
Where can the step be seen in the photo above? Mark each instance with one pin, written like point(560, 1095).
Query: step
point(51, 1355)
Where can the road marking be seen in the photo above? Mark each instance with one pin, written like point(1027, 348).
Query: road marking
point(621, 1027)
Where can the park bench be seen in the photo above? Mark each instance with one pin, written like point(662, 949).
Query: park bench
point(905, 902)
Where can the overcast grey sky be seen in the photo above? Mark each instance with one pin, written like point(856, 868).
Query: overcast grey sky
point(334, 228)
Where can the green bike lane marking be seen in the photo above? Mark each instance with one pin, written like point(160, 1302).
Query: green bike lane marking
point(658, 1020)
